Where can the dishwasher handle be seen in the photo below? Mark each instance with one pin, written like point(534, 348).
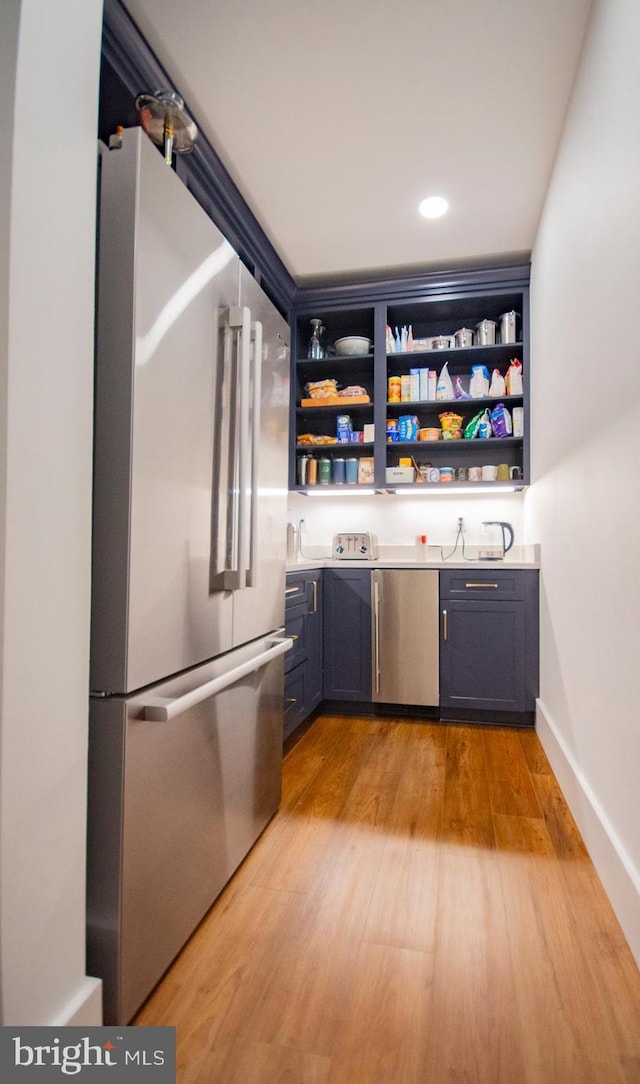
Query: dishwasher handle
point(162, 709)
point(376, 632)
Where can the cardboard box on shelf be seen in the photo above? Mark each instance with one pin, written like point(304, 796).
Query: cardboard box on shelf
point(365, 470)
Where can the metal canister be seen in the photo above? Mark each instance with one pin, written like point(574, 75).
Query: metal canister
point(324, 471)
point(508, 322)
point(486, 333)
point(312, 471)
point(303, 469)
point(339, 471)
point(463, 337)
point(351, 470)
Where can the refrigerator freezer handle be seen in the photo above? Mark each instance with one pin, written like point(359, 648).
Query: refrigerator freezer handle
point(163, 709)
point(256, 329)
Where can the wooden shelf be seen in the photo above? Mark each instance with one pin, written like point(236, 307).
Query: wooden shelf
point(344, 401)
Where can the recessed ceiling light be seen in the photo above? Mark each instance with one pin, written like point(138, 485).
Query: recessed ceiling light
point(434, 207)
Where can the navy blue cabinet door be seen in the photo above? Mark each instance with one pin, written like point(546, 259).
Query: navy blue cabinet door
point(314, 641)
point(483, 655)
point(303, 664)
point(347, 634)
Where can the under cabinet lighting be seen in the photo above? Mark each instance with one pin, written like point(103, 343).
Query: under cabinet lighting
point(338, 492)
point(412, 491)
point(448, 489)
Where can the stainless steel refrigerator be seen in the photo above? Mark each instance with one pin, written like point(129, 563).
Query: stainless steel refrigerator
point(190, 479)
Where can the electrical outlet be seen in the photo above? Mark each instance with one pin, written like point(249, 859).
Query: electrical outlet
point(460, 523)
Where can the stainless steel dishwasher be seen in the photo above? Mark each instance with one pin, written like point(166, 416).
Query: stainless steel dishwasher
point(405, 636)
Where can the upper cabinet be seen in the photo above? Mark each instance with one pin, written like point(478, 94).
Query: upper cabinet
point(328, 389)
point(428, 389)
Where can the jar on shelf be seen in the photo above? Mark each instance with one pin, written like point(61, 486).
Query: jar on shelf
point(316, 349)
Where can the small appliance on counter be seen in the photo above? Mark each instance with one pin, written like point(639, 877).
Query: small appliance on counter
point(494, 544)
point(362, 546)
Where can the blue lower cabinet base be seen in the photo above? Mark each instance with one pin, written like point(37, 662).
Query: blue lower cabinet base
point(489, 654)
point(488, 718)
point(420, 714)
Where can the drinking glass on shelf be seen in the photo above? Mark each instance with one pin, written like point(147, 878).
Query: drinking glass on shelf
point(316, 349)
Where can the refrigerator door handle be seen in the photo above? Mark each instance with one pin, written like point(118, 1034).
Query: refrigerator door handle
point(162, 709)
point(231, 438)
point(241, 319)
point(256, 335)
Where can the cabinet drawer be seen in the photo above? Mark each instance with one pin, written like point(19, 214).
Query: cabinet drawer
point(303, 587)
point(295, 698)
point(295, 592)
point(295, 626)
point(485, 584)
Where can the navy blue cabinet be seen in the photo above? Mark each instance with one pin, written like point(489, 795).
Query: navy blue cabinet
point(303, 663)
point(347, 635)
point(489, 656)
point(490, 307)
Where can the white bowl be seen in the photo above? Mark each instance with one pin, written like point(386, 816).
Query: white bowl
point(353, 344)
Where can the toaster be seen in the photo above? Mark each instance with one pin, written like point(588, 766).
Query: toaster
point(355, 546)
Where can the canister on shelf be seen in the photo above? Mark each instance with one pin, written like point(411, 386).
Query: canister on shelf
point(312, 472)
point(339, 472)
point(486, 333)
point(324, 471)
point(303, 469)
point(351, 470)
point(508, 327)
point(394, 389)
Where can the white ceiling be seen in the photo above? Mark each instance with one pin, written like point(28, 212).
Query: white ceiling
point(336, 117)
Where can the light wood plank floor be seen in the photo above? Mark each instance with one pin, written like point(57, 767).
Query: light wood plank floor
point(420, 911)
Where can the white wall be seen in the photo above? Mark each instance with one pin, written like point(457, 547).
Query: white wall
point(396, 520)
point(583, 507)
point(50, 62)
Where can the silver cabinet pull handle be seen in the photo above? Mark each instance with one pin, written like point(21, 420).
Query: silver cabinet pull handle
point(496, 585)
point(376, 636)
point(163, 709)
point(314, 587)
point(292, 590)
point(445, 625)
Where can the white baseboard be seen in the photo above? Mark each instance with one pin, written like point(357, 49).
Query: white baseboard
point(619, 876)
point(84, 1009)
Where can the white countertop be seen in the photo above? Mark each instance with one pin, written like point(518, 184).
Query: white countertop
point(518, 557)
